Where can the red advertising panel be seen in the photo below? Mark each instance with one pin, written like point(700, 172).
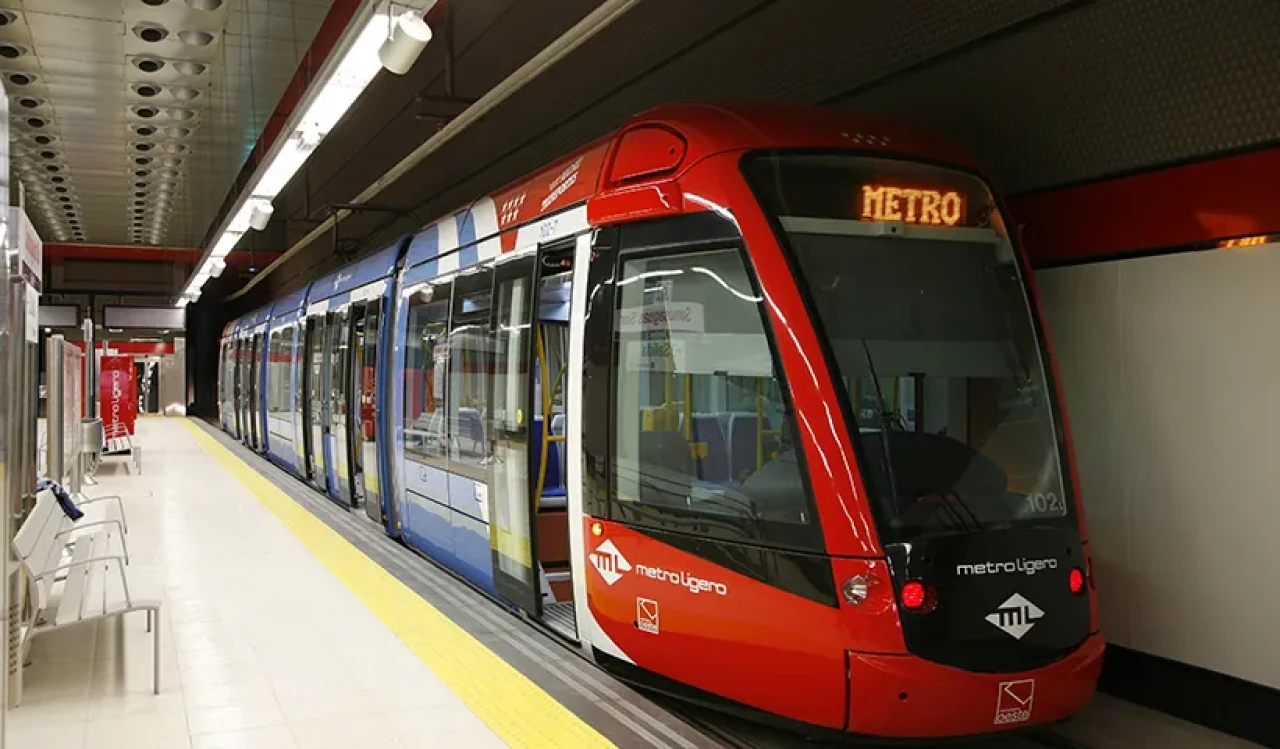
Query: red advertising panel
point(118, 391)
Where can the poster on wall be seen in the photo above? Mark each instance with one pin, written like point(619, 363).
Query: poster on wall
point(118, 395)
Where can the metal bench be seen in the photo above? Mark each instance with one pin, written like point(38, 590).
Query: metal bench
point(76, 575)
point(119, 442)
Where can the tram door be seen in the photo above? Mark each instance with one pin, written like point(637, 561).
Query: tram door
point(511, 533)
point(338, 405)
point(255, 410)
point(245, 391)
point(528, 509)
point(366, 374)
point(313, 417)
point(235, 388)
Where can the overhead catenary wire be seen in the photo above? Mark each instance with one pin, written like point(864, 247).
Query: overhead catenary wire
point(595, 22)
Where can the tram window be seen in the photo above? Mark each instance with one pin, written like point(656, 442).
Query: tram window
point(470, 352)
point(426, 362)
point(280, 357)
point(701, 427)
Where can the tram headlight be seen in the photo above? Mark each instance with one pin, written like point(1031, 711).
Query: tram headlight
point(857, 588)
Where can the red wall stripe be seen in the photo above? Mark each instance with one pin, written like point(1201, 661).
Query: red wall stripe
point(1234, 196)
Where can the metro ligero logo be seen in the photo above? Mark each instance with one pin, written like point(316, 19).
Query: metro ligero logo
point(611, 565)
point(609, 562)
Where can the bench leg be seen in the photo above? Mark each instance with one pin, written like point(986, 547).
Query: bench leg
point(153, 615)
point(148, 620)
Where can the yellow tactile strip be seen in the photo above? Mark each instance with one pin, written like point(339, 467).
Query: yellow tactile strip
point(515, 708)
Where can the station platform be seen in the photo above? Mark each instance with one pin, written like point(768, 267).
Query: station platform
point(289, 623)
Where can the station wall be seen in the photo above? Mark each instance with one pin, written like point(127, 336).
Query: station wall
point(1162, 299)
point(1169, 365)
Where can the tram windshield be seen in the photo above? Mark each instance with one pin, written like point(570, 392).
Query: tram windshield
point(919, 295)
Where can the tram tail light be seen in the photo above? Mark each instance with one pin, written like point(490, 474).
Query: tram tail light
point(916, 597)
point(1075, 580)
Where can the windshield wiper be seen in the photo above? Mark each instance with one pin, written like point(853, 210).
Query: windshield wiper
point(882, 412)
point(892, 421)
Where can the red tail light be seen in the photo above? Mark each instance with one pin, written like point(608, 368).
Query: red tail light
point(1076, 581)
point(914, 595)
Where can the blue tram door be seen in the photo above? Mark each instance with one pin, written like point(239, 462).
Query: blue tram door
point(365, 373)
point(313, 419)
point(338, 405)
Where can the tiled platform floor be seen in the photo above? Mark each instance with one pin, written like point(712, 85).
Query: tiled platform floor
point(263, 648)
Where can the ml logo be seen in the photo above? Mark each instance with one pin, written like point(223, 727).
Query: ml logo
point(1016, 616)
point(609, 562)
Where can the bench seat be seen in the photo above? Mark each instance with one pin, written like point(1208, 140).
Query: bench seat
point(77, 573)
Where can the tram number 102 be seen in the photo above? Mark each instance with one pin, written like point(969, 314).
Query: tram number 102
point(1042, 502)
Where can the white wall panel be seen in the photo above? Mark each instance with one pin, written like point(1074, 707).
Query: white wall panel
point(1171, 370)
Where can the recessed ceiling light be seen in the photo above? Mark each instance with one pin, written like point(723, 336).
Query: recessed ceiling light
point(150, 32)
point(147, 64)
point(43, 140)
point(20, 79)
point(146, 112)
point(146, 89)
point(11, 51)
point(35, 122)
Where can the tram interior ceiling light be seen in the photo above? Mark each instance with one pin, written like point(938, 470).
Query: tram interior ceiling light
point(409, 36)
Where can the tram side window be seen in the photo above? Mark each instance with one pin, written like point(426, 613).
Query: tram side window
point(701, 427)
point(470, 353)
point(273, 373)
point(280, 357)
point(426, 364)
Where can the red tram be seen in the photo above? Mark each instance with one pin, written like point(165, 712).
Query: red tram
point(752, 404)
point(908, 556)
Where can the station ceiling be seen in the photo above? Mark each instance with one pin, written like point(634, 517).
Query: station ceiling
point(130, 118)
point(1043, 92)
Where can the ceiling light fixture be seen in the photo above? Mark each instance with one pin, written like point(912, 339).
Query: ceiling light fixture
point(334, 91)
point(408, 38)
